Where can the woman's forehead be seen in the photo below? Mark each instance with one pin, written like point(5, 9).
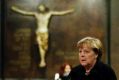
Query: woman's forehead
point(85, 45)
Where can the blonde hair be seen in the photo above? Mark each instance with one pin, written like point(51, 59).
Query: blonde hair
point(92, 42)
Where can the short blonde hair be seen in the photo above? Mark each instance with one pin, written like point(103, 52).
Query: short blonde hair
point(94, 43)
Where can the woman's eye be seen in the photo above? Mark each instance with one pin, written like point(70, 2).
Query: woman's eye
point(86, 51)
point(80, 51)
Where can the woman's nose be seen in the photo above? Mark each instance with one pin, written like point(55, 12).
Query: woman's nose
point(81, 54)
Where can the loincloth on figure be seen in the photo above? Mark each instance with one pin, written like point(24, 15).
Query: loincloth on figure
point(42, 39)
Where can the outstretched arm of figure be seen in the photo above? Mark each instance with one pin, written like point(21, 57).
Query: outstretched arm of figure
point(62, 12)
point(21, 11)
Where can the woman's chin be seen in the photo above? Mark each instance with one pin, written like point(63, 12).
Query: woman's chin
point(83, 64)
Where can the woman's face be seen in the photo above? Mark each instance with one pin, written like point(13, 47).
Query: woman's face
point(67, 68)
point(87, 56)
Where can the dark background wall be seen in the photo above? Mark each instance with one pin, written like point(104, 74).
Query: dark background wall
point(0, 41)
point(89, 19)
point(114, 33)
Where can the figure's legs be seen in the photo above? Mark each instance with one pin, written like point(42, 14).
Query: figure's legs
point(42, 56)
point(42, 39)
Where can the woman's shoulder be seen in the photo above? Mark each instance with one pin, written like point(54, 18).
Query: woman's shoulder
point(105, 68)
point(77, 69)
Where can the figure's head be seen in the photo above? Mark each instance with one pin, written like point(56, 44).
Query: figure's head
point(90, 50)
point(42, 8)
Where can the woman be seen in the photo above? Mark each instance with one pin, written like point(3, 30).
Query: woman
point(64, 71)
point(91, 67)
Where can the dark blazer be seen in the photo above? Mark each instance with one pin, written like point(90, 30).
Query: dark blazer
point(65, 78)
point(100, 71)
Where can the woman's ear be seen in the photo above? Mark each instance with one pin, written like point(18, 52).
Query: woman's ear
point(96, 56)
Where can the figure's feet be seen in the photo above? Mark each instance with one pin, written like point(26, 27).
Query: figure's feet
point(42, 64)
